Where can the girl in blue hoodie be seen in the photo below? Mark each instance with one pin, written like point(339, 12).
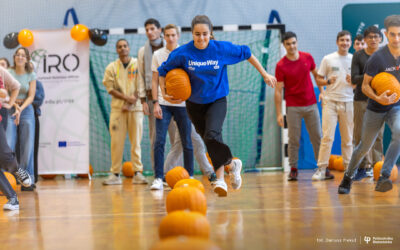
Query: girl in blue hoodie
point(205, 61)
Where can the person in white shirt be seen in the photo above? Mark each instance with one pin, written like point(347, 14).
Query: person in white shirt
point(337, 104)
point(164, 110)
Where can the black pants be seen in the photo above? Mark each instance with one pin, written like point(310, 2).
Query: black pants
point(4, 115)
point(208, 120)
point(36, 148)
point(7, 163)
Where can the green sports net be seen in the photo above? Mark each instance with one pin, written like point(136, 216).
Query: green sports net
point(255, 143)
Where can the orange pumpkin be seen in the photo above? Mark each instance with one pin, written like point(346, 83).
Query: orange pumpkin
point(386, 81)
point(127, 169)
point(332, 159)
point(177, 84)
point(176, 174)
point(190, 183)
point(188, 198)
point(338, 164)
point(377, 171)
point(185, 243)
point(184, 223)
point(11, 180)
point(90, 172)
point(48, 176)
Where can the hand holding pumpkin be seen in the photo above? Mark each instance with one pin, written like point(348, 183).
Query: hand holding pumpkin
point(386, 99)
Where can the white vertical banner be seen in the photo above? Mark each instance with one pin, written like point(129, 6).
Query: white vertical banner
point(62, 65)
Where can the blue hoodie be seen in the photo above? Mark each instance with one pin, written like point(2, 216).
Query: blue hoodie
point(206, 67)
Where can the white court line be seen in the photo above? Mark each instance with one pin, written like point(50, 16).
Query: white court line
point(208, 212)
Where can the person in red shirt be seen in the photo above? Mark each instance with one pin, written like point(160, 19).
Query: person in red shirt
point(293, 75)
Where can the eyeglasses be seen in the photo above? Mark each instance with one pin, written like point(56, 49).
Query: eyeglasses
point(373, 37)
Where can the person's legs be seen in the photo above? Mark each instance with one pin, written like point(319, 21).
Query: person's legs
point(135, 132)
point(312, 120)
point(218, 151)
point(36, 148)
point(329, 121)
point(9, 163)
point(161, 133)
point(9, 192)
point(346, 125)
point(359, 110)
point(393, 151)
point(294, 117)
point(26, 131)
point(208, 120)
point(152, 132)
point(184, 128)
point(4, 115)
point(200, 153)
point(175, 156)
point(118, 127)
point(372, 123)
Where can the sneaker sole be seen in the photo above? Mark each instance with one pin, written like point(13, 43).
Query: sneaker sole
point(13, 208)
point(140, 182)
point(343, 191)
point(384, 187)
point(108, 184)
point(220, 191)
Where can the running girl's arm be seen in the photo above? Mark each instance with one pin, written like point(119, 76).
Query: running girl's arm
point(268, 79)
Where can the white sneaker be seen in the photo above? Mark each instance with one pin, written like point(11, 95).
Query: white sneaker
point(319, 175)
point(139, 178)
point(112, 179)
point(370, 172)
point(157, 184)
point(234, 173)
point(220, 187)
point(12, 204)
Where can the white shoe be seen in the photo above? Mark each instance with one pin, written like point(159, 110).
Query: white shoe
point(370, 172)
point(220, 187)
point(319, 175)
point(234, 174)
point(157, 184)
point(112, 179)
point(12, 204)
point(139, 178)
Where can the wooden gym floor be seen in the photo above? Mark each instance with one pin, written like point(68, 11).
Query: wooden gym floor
point(268, 212)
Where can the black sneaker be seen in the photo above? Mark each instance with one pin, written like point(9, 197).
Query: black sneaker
point(384, 184)
point(293, 174)
point(361, 174)
point(328, 175)
point(30, 188)
point(212, 178)
point(23, 177)
point(345, 185)
point(12, 204)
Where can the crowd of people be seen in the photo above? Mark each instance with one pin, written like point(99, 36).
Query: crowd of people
point(138, 89)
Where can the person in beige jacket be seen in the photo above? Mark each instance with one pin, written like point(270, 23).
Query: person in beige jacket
point(121, 82)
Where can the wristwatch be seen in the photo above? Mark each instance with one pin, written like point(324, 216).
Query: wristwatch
point(328, 82)
point(155, 101)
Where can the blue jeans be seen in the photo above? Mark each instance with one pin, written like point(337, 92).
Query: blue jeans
point(372, 123)
point(24, 134)
point(184, 128)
